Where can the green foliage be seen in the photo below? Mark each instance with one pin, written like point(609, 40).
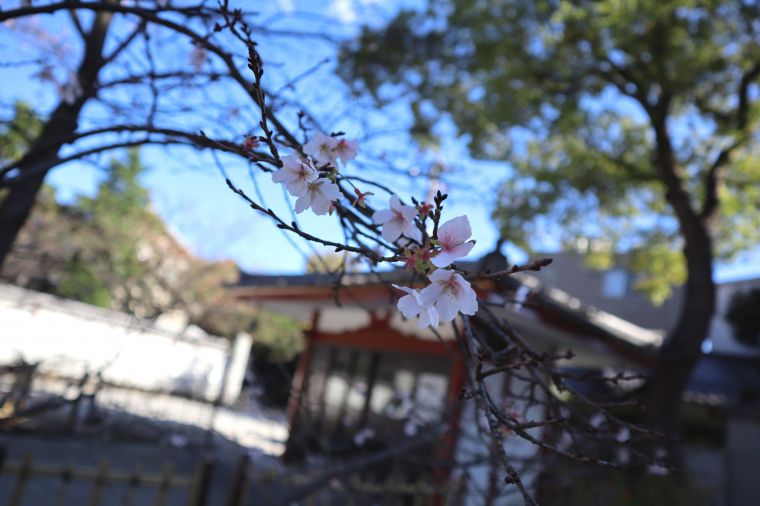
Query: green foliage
point(111, 227)
point(566, 92)
point(80, 282)
point(330, 262)
point(743, 315)
point(19, 132)
point(280, 337)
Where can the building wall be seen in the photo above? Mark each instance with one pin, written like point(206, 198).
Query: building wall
point(598, 288)
point(569, 274)
point(69, 338)
point(721, 333)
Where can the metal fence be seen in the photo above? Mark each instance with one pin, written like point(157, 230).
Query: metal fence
point(103, 486)
point(96, 486)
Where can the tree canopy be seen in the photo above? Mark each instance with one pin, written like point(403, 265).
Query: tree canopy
point(566, 92)
point(630, 124)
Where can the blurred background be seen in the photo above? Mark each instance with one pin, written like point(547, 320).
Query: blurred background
point(162, 343)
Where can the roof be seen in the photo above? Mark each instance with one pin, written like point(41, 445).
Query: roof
point(372, 289)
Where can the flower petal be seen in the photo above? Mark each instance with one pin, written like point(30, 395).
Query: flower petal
point(382, 216)
point(431, 293)
point(467, 299)
point(441, 276)
point(447, 257)
point(410, 230)
point(404, 288)
point(431, 316)
point(443, 259)
point(330, 190)
point(298, 188)
point(408, 212)
point(391, 231)
point(456, 228)
point(303, 203)
point(408, 306)
point(447, 307)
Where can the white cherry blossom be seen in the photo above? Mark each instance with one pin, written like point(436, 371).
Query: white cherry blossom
point(397, 220)
point(321, 148)
point(319, 195)
point(453, 236)
point(450, 293)
point(296, 174)
point(411, 307)
point(345, 150)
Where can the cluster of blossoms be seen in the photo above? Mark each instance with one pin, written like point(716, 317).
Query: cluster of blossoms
point(448, 292)
point(312, 180)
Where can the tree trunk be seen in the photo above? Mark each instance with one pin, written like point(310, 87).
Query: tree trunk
point(15, 209)
point(683, 347)
point(43, 154)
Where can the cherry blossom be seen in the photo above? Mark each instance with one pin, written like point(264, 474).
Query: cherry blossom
point(397, 220)
point(321, 148)
point(418, 258)
point(296, 174)
point(450, 293)
point(425, 209)
point(452, 237)
point(361, 198)
point(411, 307)
point(250, 143)
point(319, 195)
point(345, 150)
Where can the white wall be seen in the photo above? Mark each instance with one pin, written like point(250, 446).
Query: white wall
point(68, 338)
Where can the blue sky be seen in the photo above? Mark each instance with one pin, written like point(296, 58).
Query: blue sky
point(189, 192)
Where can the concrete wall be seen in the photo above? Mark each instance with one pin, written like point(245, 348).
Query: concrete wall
point(68, 338)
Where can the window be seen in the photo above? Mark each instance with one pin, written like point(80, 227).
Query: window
point(615, 284)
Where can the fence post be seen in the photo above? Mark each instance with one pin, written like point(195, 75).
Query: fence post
point(201, 485)
point(134, 484)
point(66, 475)
point(74, 413)
point(163, 487)
point(99, 483)
point(23, 475)
point(240, 483)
